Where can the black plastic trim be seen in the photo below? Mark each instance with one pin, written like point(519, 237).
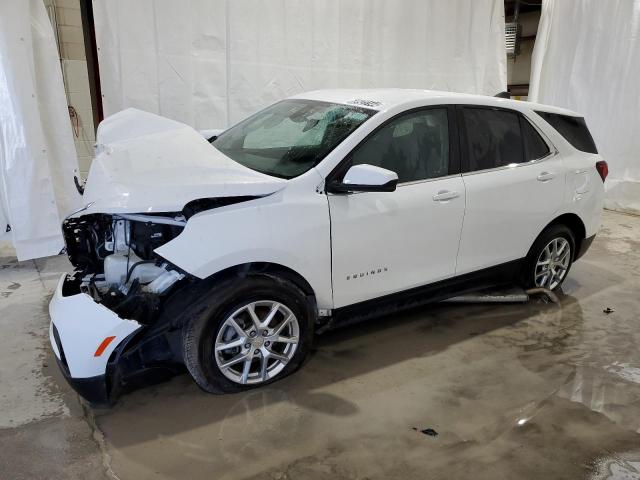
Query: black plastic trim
point(79, 188)
point(503, 274)
point(584, 246)
point(92, 389)
point(63, 359)
point(143, 358)
point(203, 204)
point(338, 187)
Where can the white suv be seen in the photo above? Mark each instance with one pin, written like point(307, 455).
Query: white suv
point(225, 253)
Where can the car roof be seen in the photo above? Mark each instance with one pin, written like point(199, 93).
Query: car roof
point(386, 98)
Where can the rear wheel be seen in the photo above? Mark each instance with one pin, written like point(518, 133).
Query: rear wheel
point(254, 331)
point(550, 258)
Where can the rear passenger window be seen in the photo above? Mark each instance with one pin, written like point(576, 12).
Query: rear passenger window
point(534, 146)
point(493, 138)
point(573, 129)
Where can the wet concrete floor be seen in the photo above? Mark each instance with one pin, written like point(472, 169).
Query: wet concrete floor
point(512, 391)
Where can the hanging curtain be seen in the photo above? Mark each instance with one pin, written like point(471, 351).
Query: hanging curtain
point(209, 63)
point(37, 154)
point(587, 58)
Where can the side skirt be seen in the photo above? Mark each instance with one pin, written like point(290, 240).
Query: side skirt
point(503, 274)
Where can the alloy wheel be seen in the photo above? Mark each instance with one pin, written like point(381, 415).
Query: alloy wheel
point(553, 263)
point(256, 342)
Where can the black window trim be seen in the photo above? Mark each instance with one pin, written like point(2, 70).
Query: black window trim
point(454, 147)
point(464, 155)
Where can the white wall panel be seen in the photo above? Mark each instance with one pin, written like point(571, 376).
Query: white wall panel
point(587, 58)
point(209, 63)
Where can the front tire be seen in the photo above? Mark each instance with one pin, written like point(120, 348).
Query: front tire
point(252, 332)
point(550, 258)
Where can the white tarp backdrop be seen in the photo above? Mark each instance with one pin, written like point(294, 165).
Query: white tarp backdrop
point(587, 58)
point(37, 154)
point(209, 63)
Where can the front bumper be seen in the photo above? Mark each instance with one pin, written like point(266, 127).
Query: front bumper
point(79, 326)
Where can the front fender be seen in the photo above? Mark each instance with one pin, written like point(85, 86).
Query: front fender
point(289, 229)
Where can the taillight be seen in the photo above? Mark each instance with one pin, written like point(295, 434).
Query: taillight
point(603, 169)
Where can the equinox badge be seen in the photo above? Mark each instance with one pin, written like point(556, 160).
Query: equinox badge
point(375, 271)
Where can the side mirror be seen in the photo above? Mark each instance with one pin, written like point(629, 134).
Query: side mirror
point(366, 178)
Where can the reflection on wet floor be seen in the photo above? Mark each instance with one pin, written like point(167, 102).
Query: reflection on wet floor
point(514, 388)
point(513, 391)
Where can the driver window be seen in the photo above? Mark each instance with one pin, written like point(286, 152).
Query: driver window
point(415, 146)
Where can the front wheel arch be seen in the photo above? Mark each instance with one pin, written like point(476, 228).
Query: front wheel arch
point(183, 301)
point(204, 323)
point(273, 269)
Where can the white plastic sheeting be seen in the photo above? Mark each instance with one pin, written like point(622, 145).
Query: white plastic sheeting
point(587, 58)
point(37, 155)
point(209, 63)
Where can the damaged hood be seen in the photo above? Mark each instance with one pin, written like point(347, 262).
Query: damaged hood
point(148, 163)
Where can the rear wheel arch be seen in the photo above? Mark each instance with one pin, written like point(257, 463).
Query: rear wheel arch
point(574, 223)
point(576, 228)
point(545, 265)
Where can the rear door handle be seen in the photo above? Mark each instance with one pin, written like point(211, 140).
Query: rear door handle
point(444, 195)
point(546, 176)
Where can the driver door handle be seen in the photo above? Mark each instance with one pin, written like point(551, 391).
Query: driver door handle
point(444, 195)
point(546, 176)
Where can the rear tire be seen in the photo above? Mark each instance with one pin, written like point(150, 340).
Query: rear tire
point(251, 332)
point(550, 258)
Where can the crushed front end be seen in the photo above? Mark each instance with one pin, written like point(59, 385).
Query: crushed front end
point(106, 325)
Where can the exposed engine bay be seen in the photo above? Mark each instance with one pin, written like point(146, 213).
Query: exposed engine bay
point(115, 260)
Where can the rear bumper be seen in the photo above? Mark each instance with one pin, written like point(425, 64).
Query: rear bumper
point(78, 327)
point(584, 246)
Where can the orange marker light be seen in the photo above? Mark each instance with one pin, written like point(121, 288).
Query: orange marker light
point(103, 346)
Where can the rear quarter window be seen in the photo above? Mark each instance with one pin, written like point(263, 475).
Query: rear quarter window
point(534, 146)
point(573, 129)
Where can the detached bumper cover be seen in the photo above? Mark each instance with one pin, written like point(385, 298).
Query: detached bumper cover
point(78, 327)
